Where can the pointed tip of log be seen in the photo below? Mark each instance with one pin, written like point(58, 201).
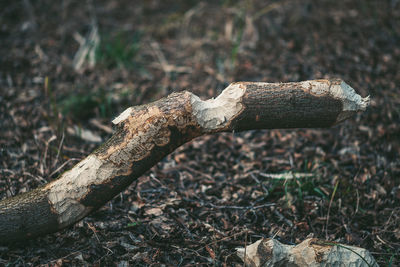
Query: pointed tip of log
point(339, 90)
point(365, 103)
point(352, 102)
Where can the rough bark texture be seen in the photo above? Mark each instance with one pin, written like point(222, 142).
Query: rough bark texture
point(311, 252)
point(145, 134)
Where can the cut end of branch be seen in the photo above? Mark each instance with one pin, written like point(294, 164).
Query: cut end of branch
point(365, 103)
point(338, 89)
point(352, 102)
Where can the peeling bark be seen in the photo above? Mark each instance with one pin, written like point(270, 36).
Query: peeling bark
point(146, 134)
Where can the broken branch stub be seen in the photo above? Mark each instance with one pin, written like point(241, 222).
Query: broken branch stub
point(147, 133)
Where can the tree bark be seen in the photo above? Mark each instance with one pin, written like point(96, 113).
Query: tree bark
point(146, 134)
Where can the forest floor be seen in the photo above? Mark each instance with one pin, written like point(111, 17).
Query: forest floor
point(215, 193)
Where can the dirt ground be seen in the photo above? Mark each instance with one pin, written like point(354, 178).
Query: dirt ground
point(215, 193)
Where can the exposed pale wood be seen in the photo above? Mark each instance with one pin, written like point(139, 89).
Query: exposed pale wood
point(145, 134)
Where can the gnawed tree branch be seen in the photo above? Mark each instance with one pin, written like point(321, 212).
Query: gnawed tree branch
point(146, 134)
point(312, 252)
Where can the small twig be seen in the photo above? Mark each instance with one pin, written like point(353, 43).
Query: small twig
point(358, 201)
point(101, 126)
point(8, 184)
point(59, 150)
point(384, 242)
point(282, 218)
point(277, 232)
point(329, 208)
point(91, 227)
point(198, 172)
point(287, 175)
point(166, 67)
point(87, 48)
point(261, 184)
point(241, 207)
point(43, 164)
point(179, 221)
point(245, 249)
point(69, 255)
point(8, 171)
point(222, 239)
point(267, 9)
point(40, 179)
point(153, 177)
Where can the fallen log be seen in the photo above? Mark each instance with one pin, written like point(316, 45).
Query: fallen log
point(147, 133)
point(311, 252)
